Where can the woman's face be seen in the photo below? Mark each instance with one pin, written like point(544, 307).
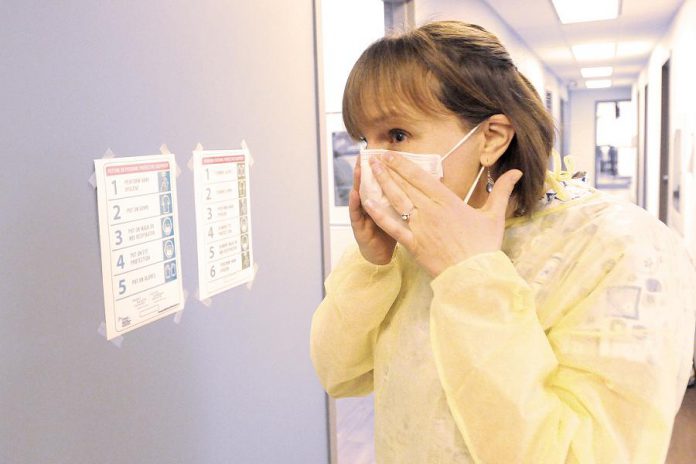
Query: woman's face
point(434, 134)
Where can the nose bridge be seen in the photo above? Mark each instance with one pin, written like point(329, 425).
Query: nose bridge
point(375, 137)
point(376, 144)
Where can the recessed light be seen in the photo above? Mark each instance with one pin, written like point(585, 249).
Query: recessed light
point(594, 51)
point(603, 71)
point(575, 11)
point(598, 83)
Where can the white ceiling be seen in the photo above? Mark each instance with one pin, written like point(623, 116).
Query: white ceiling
point(640, 25)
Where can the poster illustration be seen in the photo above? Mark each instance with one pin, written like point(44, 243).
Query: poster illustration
point(223, 220)
point(139, 240)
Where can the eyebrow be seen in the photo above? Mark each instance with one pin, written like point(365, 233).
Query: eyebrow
point(392, 119)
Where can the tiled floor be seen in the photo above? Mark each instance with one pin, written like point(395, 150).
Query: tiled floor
point(682, 450)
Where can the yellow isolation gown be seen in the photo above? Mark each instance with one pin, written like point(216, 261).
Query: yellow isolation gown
point(572, 344)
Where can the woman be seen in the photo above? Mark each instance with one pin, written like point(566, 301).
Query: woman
point(494, 320)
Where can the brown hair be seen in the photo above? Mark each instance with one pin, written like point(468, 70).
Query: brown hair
point(450, 66)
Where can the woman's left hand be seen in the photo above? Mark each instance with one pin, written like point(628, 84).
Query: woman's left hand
point(442, 230)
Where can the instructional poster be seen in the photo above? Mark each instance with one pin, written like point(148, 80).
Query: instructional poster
point(139, 235)
point(223, 221)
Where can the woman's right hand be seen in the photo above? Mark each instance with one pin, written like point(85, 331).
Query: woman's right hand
point(375, 245)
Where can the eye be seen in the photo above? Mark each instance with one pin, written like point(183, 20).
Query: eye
point(397, 135)
point(362, 142)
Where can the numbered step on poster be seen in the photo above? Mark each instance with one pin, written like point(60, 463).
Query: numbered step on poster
point(223, 220)
point(139, 235)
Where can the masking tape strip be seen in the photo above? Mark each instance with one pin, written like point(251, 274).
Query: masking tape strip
point(245, 147)
point(199, 147)
point(179, 314)
point(186, 297)
point(206, 302)
point(250, 284)
point(165, 151)
point(101, 330)
point(108, 154)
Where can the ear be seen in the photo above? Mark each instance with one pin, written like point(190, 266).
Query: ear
point(498, 133)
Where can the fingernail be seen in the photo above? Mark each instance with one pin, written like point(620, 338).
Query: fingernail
point(387, 157)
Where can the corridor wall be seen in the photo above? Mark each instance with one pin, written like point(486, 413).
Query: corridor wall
point(677, 46)
point(232, 382)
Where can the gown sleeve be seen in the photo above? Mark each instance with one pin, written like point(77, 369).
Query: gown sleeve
point(601, 385)
point(345, 327)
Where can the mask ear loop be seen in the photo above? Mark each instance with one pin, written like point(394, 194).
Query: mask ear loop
point(462, 141)
point(454, 148)
point(473, 187)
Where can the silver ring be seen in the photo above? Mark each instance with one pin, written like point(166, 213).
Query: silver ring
point(405, 216)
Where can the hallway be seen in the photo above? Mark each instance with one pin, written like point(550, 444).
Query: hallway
point(619, 88)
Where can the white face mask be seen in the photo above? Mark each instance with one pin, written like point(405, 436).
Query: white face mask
point(370, 188)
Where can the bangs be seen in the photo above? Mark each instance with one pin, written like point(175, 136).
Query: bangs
point(388, 80)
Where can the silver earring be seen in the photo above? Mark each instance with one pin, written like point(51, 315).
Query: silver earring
point(490, 182)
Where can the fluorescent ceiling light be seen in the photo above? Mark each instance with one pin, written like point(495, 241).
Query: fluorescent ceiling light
point(604, 71)
point(577, 11)
point(594, 51)
point(598, 83)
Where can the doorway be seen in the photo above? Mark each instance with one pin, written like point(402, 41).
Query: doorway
point(644, 179)
point(616, 158)
point(664, 144)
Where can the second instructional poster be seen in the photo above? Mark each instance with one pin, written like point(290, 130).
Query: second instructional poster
point(223, 220)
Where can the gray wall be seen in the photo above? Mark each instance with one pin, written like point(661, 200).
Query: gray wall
point(231, 383)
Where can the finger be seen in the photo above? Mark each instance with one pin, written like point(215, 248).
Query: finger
point(355, 209)
point(428, 184)
point(356, 175)
point(395, 228)
point(418, 198)
point(398, 199)
point(502, 190)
